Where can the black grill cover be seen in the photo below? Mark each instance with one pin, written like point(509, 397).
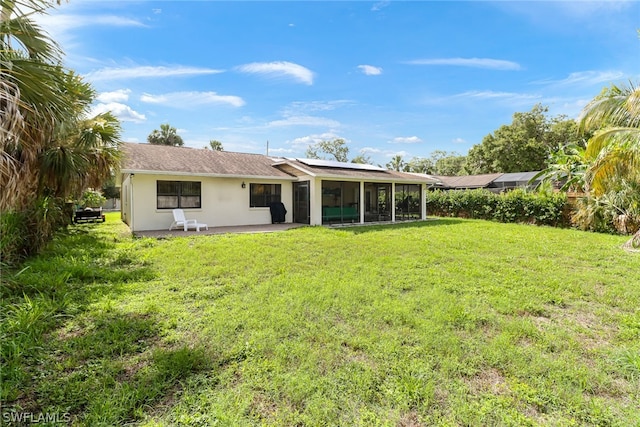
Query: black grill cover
point(278, 212)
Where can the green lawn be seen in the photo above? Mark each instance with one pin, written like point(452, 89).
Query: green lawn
point(446, 322)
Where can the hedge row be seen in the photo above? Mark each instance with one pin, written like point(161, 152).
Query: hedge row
point(513, 206)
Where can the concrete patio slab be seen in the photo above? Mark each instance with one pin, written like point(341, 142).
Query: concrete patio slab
point(263, 228)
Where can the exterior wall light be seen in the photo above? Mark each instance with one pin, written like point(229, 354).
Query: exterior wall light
point(244, 185)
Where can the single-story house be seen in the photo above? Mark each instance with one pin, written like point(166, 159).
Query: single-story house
point(221, 188)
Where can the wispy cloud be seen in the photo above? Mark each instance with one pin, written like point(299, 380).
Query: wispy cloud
point(391, 154)
point(507, 97)
point(148, 72)
point(586, 78)
point(298, 107)
point(120, 95)
point(458, 141)
point(493, 64)
point(405, 140)
point(279, 69)
point(370, 150)
point(380, 5)
point(121, 111)
point(188, 99)
point(370, 70)
point(304, 121)
point(64, 22)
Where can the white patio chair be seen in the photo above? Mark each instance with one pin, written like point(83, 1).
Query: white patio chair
point(179, 220)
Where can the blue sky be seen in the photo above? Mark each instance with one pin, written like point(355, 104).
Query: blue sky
point(389, 77)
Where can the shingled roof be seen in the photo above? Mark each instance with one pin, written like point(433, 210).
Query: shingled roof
point(468, 181)
point(163, 159)
point(140, 158)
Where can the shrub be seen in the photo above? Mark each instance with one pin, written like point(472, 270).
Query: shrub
point(92, 199)
point(513, 206)
point(25, 232)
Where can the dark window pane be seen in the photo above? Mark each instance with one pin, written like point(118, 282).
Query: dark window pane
point(190, 189)
point(168, 188)
point(261, 195)
point(178, 194)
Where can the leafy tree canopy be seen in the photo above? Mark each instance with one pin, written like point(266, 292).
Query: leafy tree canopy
point(215, 145)
point(362, 159)
point(337, 150)
point(397, 163)
point(524, 145)
point(438, 163)
point(167, 135)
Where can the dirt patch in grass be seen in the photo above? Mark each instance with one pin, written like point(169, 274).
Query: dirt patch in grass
point(410, 419)
point(489, 380)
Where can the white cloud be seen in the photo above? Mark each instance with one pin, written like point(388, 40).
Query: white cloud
point(380, 5)
point(458, 141)
point(120, 95)
point(586, 78)
point(509, 98)
point(187, 99)
point(56, 23)
point(494, 64)
point(405, 140)
point(305, 141)
point(121, 111)
point(156, 11)
point(371, 150)
point(148, 72)
point(279, 69)
point(397, 153)
point(304, 121)
point(370, 70)
point(298, 107)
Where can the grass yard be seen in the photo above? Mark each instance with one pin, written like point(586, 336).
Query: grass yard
point(448, 322)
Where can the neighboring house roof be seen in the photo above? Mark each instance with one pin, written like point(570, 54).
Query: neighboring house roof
point(163, 159)
point(468, 181)
point(519, 177)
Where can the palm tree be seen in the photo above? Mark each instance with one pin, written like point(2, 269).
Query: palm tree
point(48, 148)
point(613, 152)
point(614, 149)
point(32, 96)
point(397, 163)
point(167, 135)
point(215, 145)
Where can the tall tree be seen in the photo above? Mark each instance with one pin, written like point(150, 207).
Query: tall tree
point(167, 135)
point(439, 162)
point(362, 159)
point(524, 145)
point(397, 163)
point(215, 145)
point(48, 150)
point(34, 95)
point(336, 148)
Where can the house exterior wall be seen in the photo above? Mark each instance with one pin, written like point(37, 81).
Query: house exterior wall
point(223, 202)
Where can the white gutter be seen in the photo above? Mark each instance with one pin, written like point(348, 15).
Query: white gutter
point(209, 175)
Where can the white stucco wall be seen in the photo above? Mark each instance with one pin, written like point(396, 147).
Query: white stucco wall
point(224, 202)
